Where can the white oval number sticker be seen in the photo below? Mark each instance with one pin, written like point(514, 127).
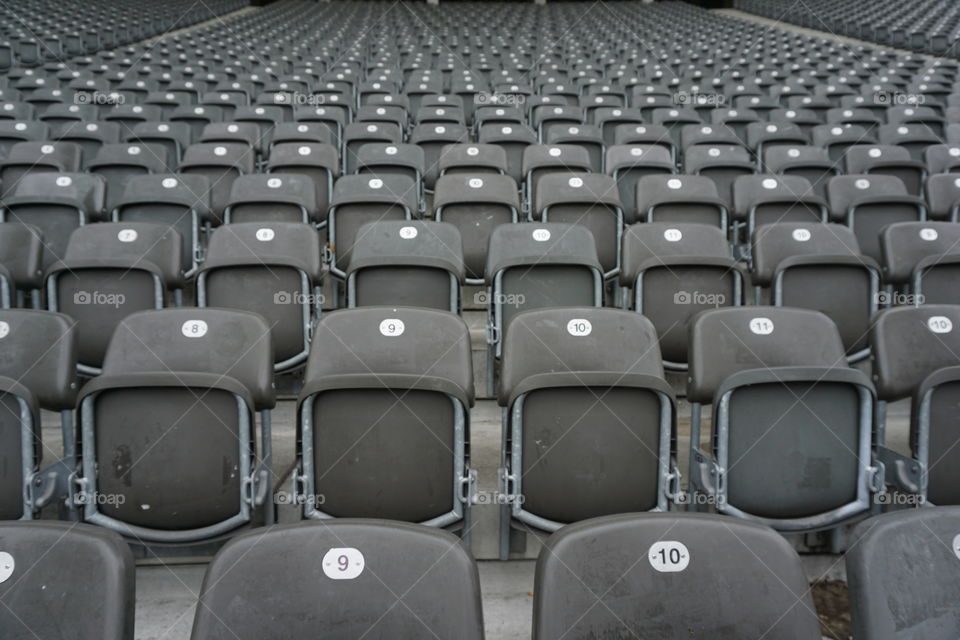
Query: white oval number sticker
point(343, 563)
point(668, 556)
point(761, 326)
point(127, 235)
point(194, 328)
point(265, 234)
point(7, 566)
point(541, 235)
point(673, 235)
point(940, 324)
point(392, 327)
point(956, 545)
point(4, 329)
point(579, 327)
point(408, 233)
point(801, 235)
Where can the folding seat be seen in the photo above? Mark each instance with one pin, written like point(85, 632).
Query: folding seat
point(863, 118)
point(26, 158)
point(812, 163)
point(819, 266)
point(45, 564)
point(719, 563)
point(542, 160)
point(546, 118)
point(192, 471)
point(473, 159)
point(608, 118)
point(21, 255)
point(55, 204)
point(647, 134)
point(581, 385)
point(803, 118)
point(763, 136)
point(433, 138)
point(270, 268)
point(536, 265)
point(792, 424)
point(494, 115)
point(650, 100)
point(168, 101)
point(166, 139)
point(127, 116)
point(360, 199)
point(736, 119)
point(360, 133)
point(942, 158)
point(707, 134)
point(674, 120)
point(226, 101)
point(767, 199)
point(319, 162)
point(273, 198)
point(331, 117)
point(680, 199)
point(109, 271)
point(586, 136)
point(196, 117)
point(914, 114)
point(761, 105)
point(119, 163)
point(221, 164)
point(362, 603)
point(16, 111)
point(887, 160)
point(514, 140)
point(425, 87)
point(914, 356)
point(913, 137)
point(921, 259)
point(371, 89)
point(67, 115)
point(900, 569)
point(384, 417)
point(406, 263)
point(277, 107)
point(589, 200)
point(868, 203)
point(628, 164)
point(245, 133)
point(439, 115)
point(389, 114)
point(943, 196)
point(89, 136)
point(14, 131)
point(837, 139)
point(724, 164)
point(378, 160)
point(302, 132)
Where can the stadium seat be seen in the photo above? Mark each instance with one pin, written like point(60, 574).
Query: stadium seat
point(277, 197)
point(921, 259)
point(680, 199)
point(221, 165)
point(21, 253)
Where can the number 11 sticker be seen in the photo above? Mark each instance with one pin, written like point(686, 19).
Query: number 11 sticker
point(343, 563)
point(668, 556)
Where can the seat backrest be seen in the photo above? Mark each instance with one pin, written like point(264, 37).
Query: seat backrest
point(846, 191)
point(21, 251)
point(644, 244)
point(45, 567)
point(774, 243)
point(408, 243)
point(39, 352)
point(903, 245)
point(131, 244)
point(342, 577)
point(902, 574)
point(534, 244)
point(645, 571)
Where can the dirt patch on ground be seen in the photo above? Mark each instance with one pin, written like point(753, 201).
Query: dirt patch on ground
point(833, 608)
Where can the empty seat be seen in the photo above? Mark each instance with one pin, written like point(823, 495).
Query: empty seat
point(812, 163)
point(922, 259)
point(406, 263)
point(915, 356)
point(887, 160)
point(722, 164)
point(796, 465)
point(672, 271)
point(109, 271)
point(900, 571)
point(380, 160)
point(767, 199)
point(943, 197)
point(837, 139)
point(540, 160)
point(588, 137)
point(514, 140)
point(221, 164)
point(118, 163)
point(192, 471)
point(384, 417)
point(914, 137)
point(14, 131)
point(21, 255)
point(269, 268)
point(358, 134)
point(579, 386)
point(357, 595)
point(628, 164)
point(474, 159)
point(319, 162)
point(819, 266)
point(276, 197)
point(44, 564)
point(167, 139)
point(644, 570)
point(681, 198)
point(433, 139)
point(26, 158)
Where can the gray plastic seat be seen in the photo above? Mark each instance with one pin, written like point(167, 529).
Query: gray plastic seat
point(15, 131)
point(769, 199)
point(119, 163)
point(924, 259)
point(680, 199)
point(37, 372)
point(541, 160)
point(193, 471)
point(914, 356)
point(887, 160)
point(270, 268)
point(275, 197)
point(408, 263)
point(628, 164)
point(590, 200)
point(109, 271)
point(836, 139)
point(167, 139)
point(221, 164)
point(319, 162)
point(724, 164)
point(588, 416)
point(357, 134)
point(672, 271)
point(585, 136)
point(473, 159)
point(361, 199)
point(868, 203)
point(942, 158)
point(384, 417)
point(21, 254)
point(378, 160)
point(476, 206)
point(433, 139)
point(812, 163)
point(644, 570)
point(27, 158)
point(902, 575)
point(56, 205)
point(378, 561)
point(943, 197)
point(49, 561)
point(792, 424)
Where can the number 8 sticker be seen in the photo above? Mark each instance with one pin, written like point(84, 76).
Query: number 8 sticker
point(668, 556)
point(343, 563)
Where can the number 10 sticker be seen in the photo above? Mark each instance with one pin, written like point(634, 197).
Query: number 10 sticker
point(668, 556)
point(343, 563)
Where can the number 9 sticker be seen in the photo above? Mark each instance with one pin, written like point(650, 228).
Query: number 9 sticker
point(343, 563)
point(668, 556)
point(392, 327)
